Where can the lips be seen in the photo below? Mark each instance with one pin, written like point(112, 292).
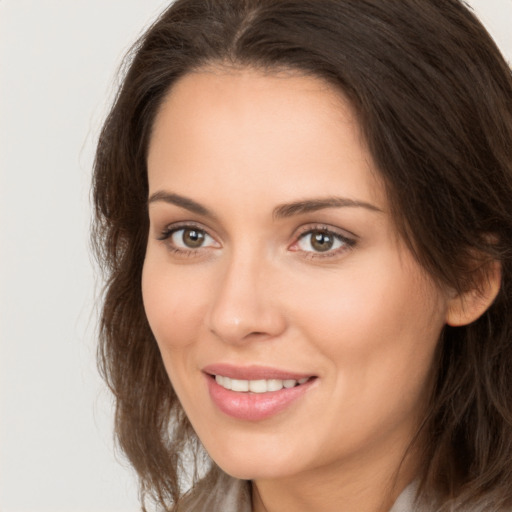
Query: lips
point(252, 372)
point(254, 393)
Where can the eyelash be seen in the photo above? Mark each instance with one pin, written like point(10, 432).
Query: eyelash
point(347, 242)
point(169, 231)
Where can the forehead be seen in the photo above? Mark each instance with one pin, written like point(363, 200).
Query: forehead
point(290, 133)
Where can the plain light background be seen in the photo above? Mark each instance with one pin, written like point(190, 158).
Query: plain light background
point(57, 76)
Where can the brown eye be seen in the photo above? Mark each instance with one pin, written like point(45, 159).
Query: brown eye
point(322, 241)
point(191, 238)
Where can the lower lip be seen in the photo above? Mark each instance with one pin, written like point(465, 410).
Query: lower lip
point(254, 406)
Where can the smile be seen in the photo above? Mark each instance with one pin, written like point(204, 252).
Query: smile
point(257, 386)
point(255, 393)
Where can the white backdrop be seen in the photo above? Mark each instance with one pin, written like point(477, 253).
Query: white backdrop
point(57, 66)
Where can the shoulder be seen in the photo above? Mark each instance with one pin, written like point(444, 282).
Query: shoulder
point(408, 502)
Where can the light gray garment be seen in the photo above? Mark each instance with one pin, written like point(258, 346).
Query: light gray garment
point(232, 495)
point(223, 493)
point(406, 501)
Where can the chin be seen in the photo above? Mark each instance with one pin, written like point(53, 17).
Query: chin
point(258, 461)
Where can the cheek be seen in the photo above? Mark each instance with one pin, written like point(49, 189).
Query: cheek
point(377, 332)
point(385, 301)
point(174, 303)
point(377, 326)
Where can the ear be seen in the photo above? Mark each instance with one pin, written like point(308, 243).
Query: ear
point(466, 307)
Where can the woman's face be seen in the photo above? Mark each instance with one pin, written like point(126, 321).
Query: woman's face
point(273, 268)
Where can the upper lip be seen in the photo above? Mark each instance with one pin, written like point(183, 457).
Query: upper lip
point(253, 372)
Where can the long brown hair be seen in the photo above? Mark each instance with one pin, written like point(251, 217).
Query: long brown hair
point(433, 97)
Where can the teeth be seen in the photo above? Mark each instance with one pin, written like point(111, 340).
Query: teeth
point(290, 383)
point(274, 384)
point(239, 385)
point(225, 382)
point(257, 386)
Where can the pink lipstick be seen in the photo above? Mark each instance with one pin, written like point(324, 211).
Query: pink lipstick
point(254, 393)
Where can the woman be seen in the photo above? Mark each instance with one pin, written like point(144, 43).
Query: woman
point(304, 212)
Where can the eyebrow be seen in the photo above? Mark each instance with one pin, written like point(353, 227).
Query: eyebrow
point(315, 204)
point(181, 201)
point(280, 212)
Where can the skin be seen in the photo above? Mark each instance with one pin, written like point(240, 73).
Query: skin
point(364, 318)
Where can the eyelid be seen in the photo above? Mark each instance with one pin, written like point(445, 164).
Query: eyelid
point(315, 226)
point(169, 230)
point(176, 226)
point(348, 238)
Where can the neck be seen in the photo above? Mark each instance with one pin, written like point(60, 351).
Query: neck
point(367, 483)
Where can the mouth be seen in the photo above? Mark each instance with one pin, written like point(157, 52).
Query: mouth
point(255, 393)
point(258, 385)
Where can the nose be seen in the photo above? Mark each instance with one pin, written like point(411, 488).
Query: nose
point(246, 303)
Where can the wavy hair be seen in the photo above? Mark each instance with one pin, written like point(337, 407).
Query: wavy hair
point(433, 96)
